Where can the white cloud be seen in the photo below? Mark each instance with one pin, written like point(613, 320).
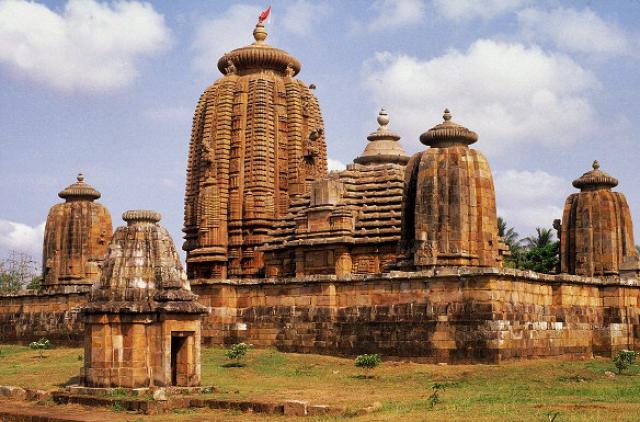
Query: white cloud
point(301, 16)
point(87, 46)
point(465, 10)
point(510, 94)
point(214, 37)
point(397, 13)
point(576, 31)
point(21, 237)
point(336, 165)
point(530, 199)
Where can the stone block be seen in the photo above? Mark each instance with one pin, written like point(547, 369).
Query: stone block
point(296, 408)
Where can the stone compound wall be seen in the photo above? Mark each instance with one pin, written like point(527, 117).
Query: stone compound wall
point(483, 316)
point(27, 317)
point(454, 316)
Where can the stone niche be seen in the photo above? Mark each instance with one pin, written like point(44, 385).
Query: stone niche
point(142, 324)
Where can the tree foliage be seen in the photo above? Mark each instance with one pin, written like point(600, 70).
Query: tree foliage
point(538, 252)
point(18, 271)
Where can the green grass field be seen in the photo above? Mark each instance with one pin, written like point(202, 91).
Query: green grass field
point(520, 391)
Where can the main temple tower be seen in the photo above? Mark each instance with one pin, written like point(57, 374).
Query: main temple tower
point(256, 144)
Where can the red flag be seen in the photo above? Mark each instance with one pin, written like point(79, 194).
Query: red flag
point(264, 15)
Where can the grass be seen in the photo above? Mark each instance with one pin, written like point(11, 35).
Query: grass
point(519, 391)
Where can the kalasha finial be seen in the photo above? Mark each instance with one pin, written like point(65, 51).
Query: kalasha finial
point(80, 178)
point(596, 165)
point(383, 118)
point(259, 34)
point(447, 115)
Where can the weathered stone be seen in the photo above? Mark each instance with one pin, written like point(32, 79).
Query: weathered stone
point(142, 324)
point(596, 235)
point(160, 394)
point(449, 206)
point(295, 408)
point(350, 221)
point(12, 392)
point(257, 141)
point(76, 236)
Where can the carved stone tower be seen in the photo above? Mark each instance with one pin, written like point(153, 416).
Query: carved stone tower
point(596, 236)
point(448, 206)
point(142, 324)
point(76, 236)
point(257, 142)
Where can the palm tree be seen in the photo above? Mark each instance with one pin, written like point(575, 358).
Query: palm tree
point(509, 235)
point(543, 237)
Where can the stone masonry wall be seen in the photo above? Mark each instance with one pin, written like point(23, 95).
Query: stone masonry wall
point(28, 317)
point(486, 315)
point(483, 316)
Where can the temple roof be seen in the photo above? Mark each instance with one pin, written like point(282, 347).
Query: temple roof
point(448, 133)
point(79, 190)
point(383, 146)
point(259, 55)
point(595, 179)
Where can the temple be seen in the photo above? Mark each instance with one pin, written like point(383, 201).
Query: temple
point(596, 236)
point(394, 255)
point(142, 323)
point(76, 236)
point(350, 221)
point(257, 143)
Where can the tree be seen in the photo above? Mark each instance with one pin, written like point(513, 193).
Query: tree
point(511, 239)
point(542, 238)
point(18, 271)
point(541, 252)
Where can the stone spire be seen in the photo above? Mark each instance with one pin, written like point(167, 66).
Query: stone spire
point(383, 146)
point(596, 235)
point(448, 209)
point(256, 129)
point(76, 236)
point(142, 270)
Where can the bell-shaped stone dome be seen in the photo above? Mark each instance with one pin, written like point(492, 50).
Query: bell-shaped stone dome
point(257, 141)
point(142, 271)
point(76, 236)
point(596, 236)
point(448, 206)
point(383, 146)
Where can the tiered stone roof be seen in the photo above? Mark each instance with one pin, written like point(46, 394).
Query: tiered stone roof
point(257, 142)
point(142, 271)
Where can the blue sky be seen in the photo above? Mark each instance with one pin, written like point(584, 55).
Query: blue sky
point(108, 88)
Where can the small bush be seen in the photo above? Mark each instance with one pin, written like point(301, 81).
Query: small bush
point(40, 346)
point(624, 359)
point(237, 352)
point(436, 389)
point(368, 362)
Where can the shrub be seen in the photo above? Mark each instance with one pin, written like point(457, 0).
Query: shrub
point(434, 398)
point(237, 351)
point(368, 362)
point(40, 345)
point(624, 359)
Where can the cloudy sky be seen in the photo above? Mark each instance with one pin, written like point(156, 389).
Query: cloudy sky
point(108, 88)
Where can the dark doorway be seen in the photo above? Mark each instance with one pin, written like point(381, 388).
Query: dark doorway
point(177, 344)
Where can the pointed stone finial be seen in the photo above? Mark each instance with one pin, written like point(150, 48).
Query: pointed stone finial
point(259, 33)
point(383, 118)
point(447, 115)
point(80, 178)
point(596, 165)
